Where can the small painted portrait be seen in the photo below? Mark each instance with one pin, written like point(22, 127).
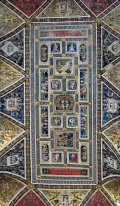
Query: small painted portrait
point(112, 105)
point(63, 7)
point(71, 47)
point(12, 160)
point(12, 104)
point(56, 47)
point(72, 121)
point(73, 157)
point(114, 48)
point(56, 85)
point(56, 121)
point(72, 85)
point(10, 48)
point(56, 157)
point(66, 200)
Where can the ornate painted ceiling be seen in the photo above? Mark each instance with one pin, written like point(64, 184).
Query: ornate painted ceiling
point(59, 103)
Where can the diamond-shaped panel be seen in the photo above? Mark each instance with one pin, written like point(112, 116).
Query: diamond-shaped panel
point(9, 48)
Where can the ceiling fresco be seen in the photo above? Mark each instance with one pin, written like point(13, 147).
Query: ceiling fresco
point(59, 103)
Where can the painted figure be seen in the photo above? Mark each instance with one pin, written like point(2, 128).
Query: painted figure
point(44, 53)
point(73, 158)
point(56, 85)
point(57, 157)
point(64, 66)
point(55, 47)
point(84, 153)
point(44, 121)
point(56, 121)
point(45, 152)
point(44, 85)
point(72, 85)
point(83, 53)
point(71, 47)
point(72, 121)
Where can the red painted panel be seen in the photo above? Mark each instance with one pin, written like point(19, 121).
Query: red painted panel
point(98, 6)
point(98, 199)
point(31, 199)
point(28, 7)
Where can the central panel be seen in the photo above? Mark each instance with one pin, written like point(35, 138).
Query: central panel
point(63, 103)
